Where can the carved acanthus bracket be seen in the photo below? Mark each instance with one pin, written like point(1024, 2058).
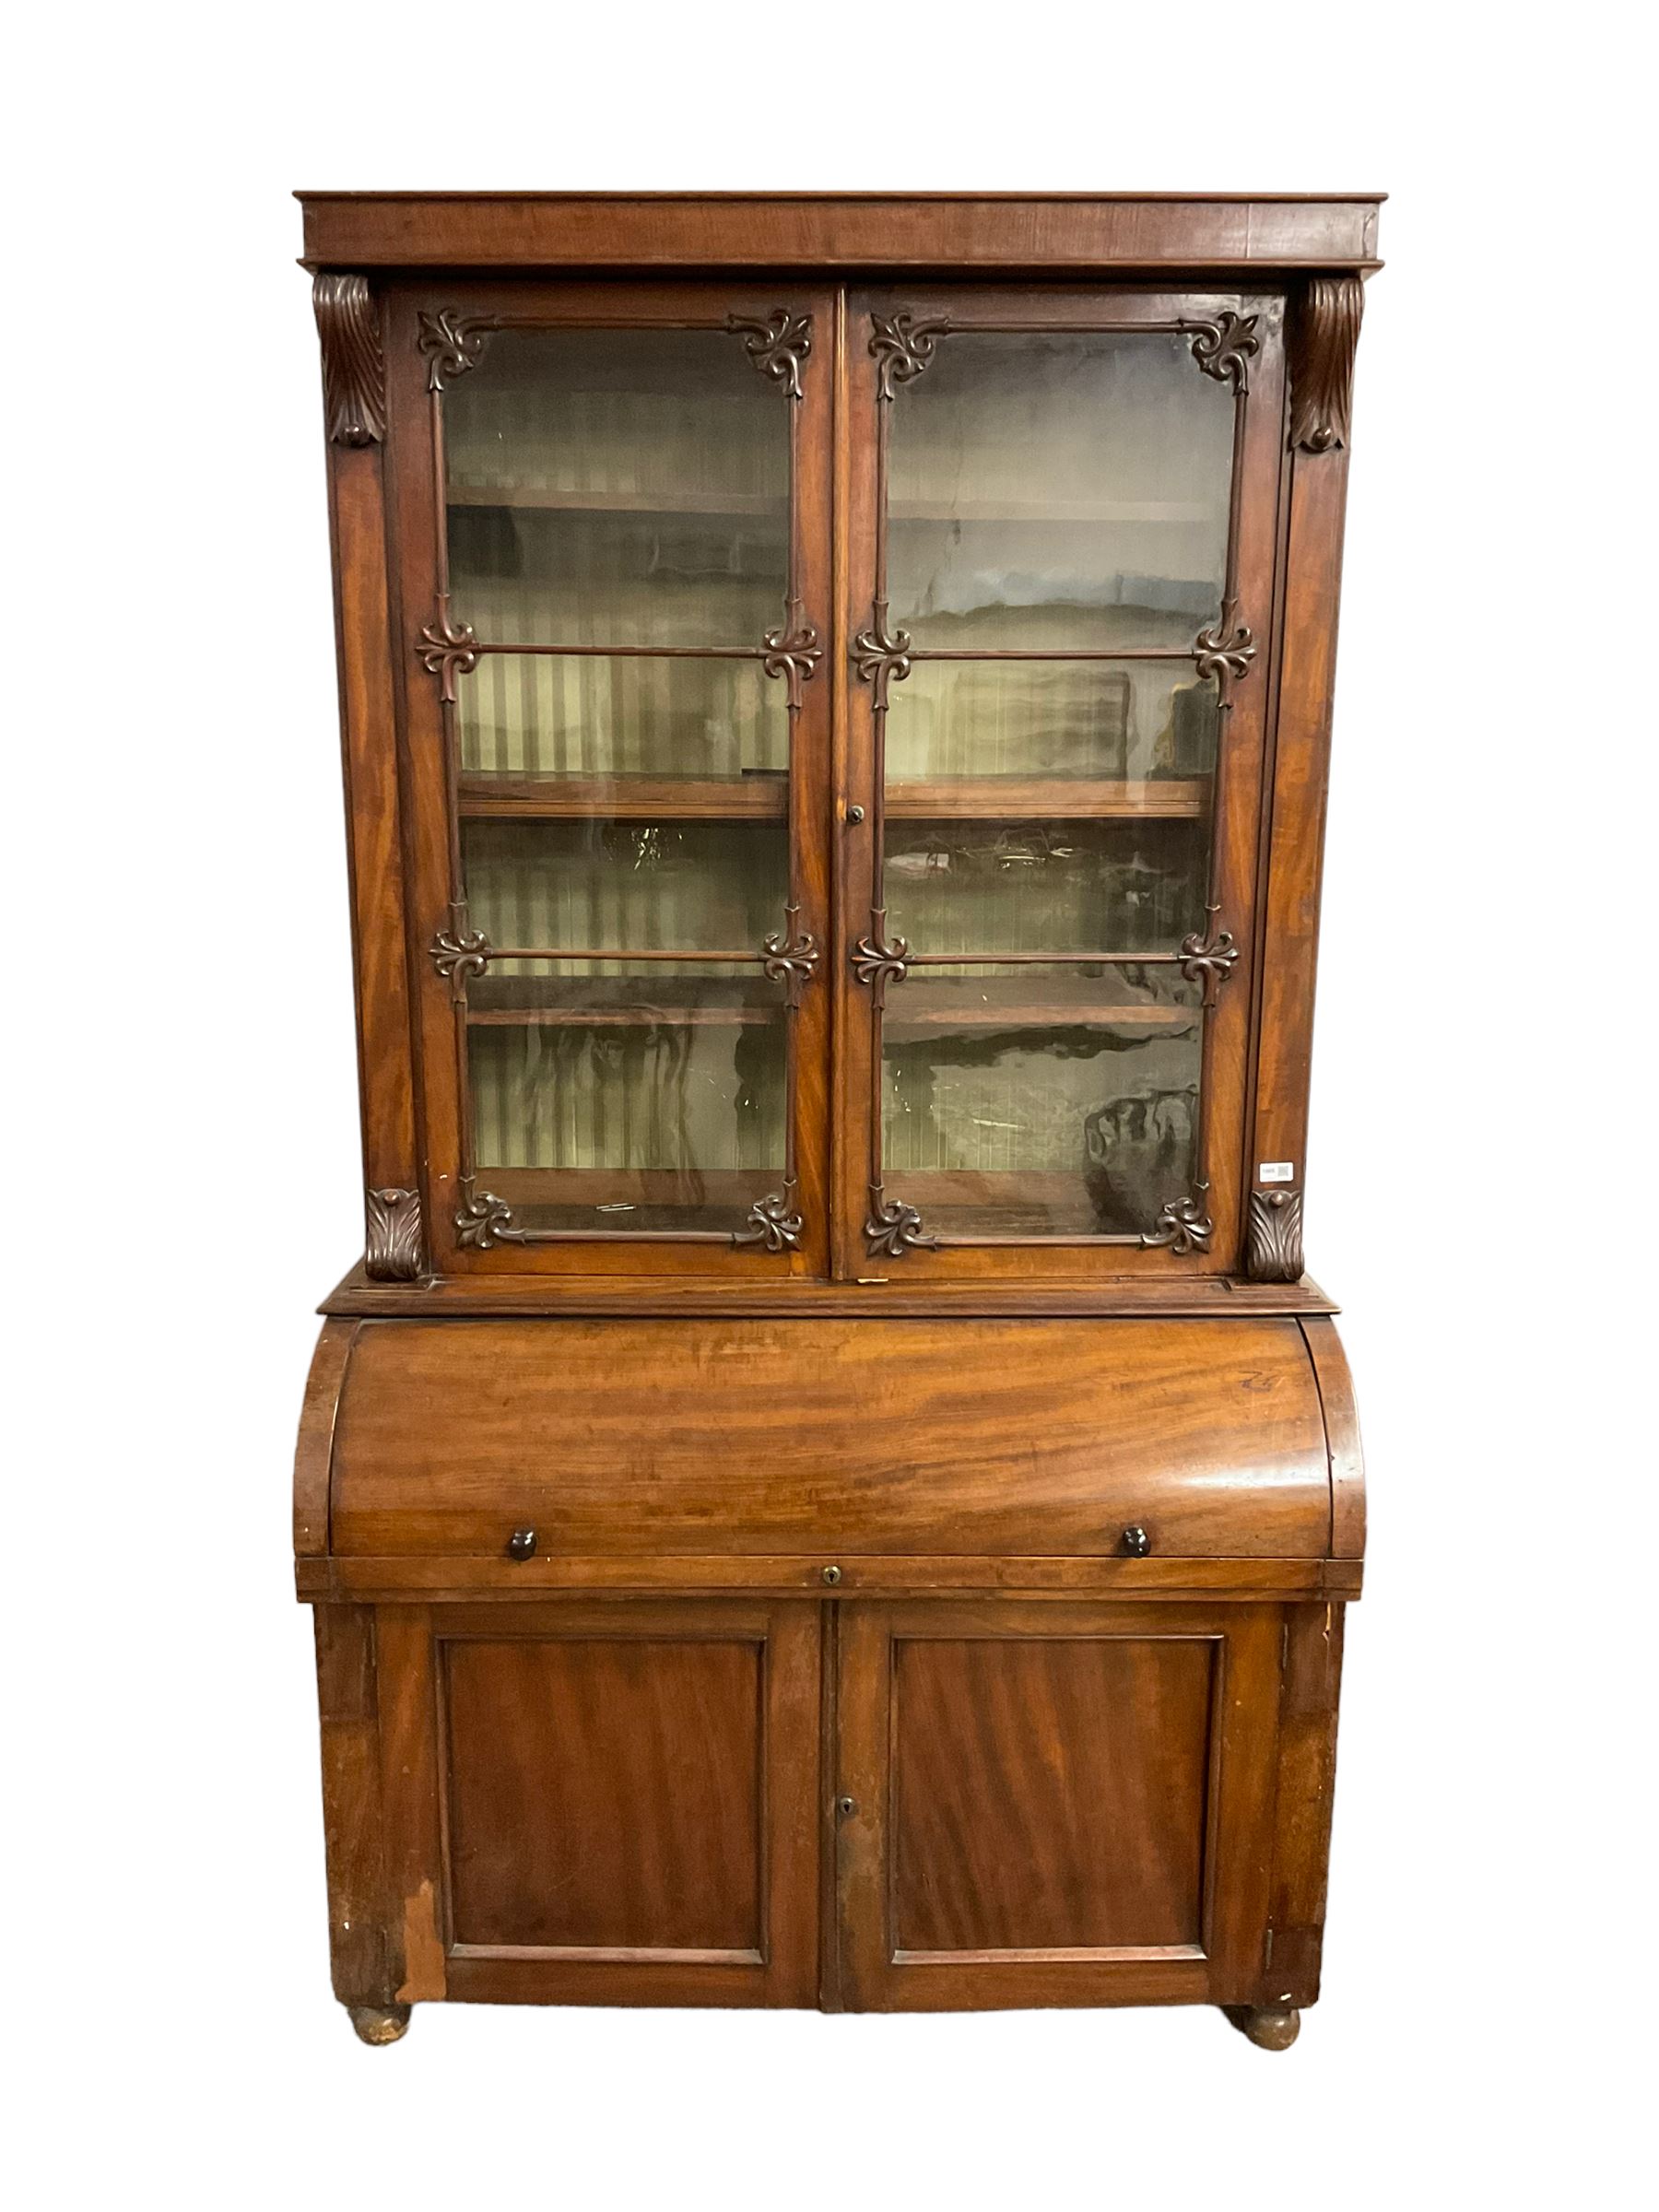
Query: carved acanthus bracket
point(777, 346)
point(485, 1220)
point(902, 348)
point(354, 370)
point(876, 963)
point(792, 955)
point(448, 649)
point(773, 1222)
point(1208, 959)
point(459, 953)
point(1273, 1248)
point(1222, 348)
point(894, 1228)
point(882, 656)
point(1183, 1225)
point(792, 653)
point(1324, 334)
point(392, 1247)
point(1226, 649)
point(451, 344)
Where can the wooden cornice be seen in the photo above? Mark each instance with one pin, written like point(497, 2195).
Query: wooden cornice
point(857, 233)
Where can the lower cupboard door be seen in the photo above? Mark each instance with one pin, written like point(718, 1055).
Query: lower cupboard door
point(1053, 1804)
point(612, 1804)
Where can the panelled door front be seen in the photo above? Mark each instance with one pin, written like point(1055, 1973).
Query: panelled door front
point(605, 1804)
point(1061, 523)
point(1053, 1804)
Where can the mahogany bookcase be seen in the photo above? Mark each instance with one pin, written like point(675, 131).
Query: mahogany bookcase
point(829, 1485)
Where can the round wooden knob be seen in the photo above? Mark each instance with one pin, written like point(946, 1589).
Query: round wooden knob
point(521, 1544)
point(1137, 1542)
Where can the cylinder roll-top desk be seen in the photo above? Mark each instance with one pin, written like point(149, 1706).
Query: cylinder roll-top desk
point(829, 1485)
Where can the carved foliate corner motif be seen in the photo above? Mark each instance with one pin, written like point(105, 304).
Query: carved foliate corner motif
point(484, 1220)
point(792, 955)
point(392, 1249)
point(777, 346)
point(773, 1222)
point(1222, 348)
point(1208, 959)
point(1183, 1225)
point(1324, 336)
point(903, 347)
point(894, 1229)
point(793, 653)
point(882, 657)
point(1273, 1248)
point(447, 650)
point(1226, 649)
point(459, 953)
point(451, 344)
point(354, 370)
point(876, 963)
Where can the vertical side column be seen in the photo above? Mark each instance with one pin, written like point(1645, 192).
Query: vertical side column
point(1323, 333)
point(368, 1970)
point(355, 408)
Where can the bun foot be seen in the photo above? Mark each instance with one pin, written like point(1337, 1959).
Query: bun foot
point(380, 2023)
point(1269, 2027)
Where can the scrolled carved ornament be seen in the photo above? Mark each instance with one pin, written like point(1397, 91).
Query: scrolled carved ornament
point(1324, 336)
point(354, 369)
point(774, 1222)
point(392, 1247)
point(1273, 1246)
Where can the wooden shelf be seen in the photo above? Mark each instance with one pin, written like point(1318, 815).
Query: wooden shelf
point(622, 1002)
point(764, 796)
point(1062, 514)
point(1043, 798)
point(738, 505)
point(774, 507)
point(733, 1188)
point(761, 796)
point(1036, 1000)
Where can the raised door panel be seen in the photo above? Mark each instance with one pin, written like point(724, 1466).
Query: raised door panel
point(1045, 1805)
point(627, 1802)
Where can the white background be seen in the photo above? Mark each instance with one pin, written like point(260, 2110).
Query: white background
point(183, 1182)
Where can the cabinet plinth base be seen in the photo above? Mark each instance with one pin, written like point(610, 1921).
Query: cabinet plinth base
point(1269, 2027)
point(380, 2023)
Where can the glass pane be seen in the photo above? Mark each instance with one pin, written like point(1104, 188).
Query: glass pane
point(644, 1101)
point(1138, 721)
point(617, 487)
point(1040, 1103)
point(1059, 490)
point(628, 886)
point(982, 887)
point(528, 716)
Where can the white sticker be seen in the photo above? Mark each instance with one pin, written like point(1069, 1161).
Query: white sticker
point(1276, 1171)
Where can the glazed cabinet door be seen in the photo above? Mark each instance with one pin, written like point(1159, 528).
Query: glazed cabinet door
point(612, 509)
point(602, 1804)
point(1053, 1804)
point(1062, 521)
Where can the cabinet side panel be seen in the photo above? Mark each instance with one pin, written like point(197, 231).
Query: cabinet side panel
point(1318, 491)
point(1307, 1774)
point(368, 725)
point(361, 1942)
